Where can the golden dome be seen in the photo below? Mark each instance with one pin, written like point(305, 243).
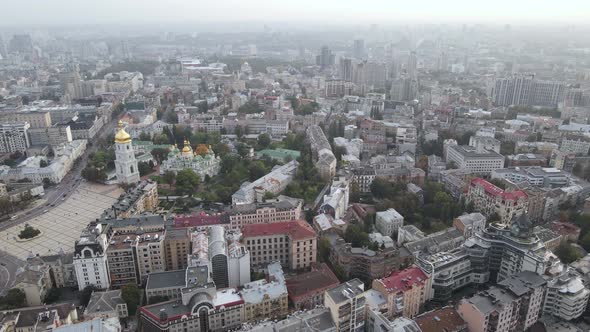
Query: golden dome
point(187, 147)
point(122, 136)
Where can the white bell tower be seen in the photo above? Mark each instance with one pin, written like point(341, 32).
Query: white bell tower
point(125, 162)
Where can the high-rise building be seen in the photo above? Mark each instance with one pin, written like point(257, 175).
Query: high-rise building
point(404, 89)
point(325, 58)
point(525, 90)
point(177, 246)
point(345, 69)
point(21, 44)
point(358, 49)
point(412, 66)
point(125, 162)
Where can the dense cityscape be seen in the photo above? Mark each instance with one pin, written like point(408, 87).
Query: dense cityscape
point(371, 177)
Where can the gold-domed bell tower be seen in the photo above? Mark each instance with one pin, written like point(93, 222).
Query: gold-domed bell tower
point(125, 162)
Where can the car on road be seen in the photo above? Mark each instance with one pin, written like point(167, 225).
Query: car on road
point(45, 211)
point(13, 217)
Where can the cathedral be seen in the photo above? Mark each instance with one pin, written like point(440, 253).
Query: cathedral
point(125, 162)
point(202, 161)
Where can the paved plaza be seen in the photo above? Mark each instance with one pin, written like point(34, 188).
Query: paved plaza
point(61, 225)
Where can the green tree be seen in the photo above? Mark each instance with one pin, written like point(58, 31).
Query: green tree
point(256, 170)
point(263, 141)
point(324, 250)
point(28, 232)
point(356, 236)
point(145, 136)
point(14, 298)
point(52, 295)
point(186, 182)
point(86, 293)
point(131, 294)
point(43, 163)
point(169, 177)
point(567, 253)
point(160, 154)
point(585, 241)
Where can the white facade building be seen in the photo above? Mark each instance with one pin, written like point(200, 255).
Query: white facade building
point(388, 222)
point(90, 259)
point(476, 160)
point(273, 182)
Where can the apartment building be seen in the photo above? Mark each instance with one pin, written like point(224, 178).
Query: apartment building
point(177, 247)
point(139, 199)
point(306, 291)
point(534, 176)
point(132, 257)
point(405, 291)
point(266, 298)
point(509, 248)
point(453, 270)
point(485, 143)
point(346, 303)
point(36, 119)
point(470, 223)
point(55, 135)
point(365, 263)
point(489, 199)
point(575, 144)
point(567, 296)
point(280, 210)
point(14, 137)
point(514, 305)
point(292, 243)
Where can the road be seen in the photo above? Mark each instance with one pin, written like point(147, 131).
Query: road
point(57, 194)
point(9, 266)
point(54, 196)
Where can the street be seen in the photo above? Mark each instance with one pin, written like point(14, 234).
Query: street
point(54, 197)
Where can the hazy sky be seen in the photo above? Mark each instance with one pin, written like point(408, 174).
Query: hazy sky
point(16, 12)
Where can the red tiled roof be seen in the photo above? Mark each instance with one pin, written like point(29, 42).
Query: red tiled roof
point(496, 191)
point(441, 320)
point(318, 280)
point(400, 281)
point(297, 229)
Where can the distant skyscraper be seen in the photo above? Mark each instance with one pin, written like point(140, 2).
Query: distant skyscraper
point(21, 44)
point(404, 89)
point(3, 52)
point(325, 58)
point(411, 68)
point(442, 62)
point(345, 69)
point(358, 50)
point(125, 50)
point(525, 90)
